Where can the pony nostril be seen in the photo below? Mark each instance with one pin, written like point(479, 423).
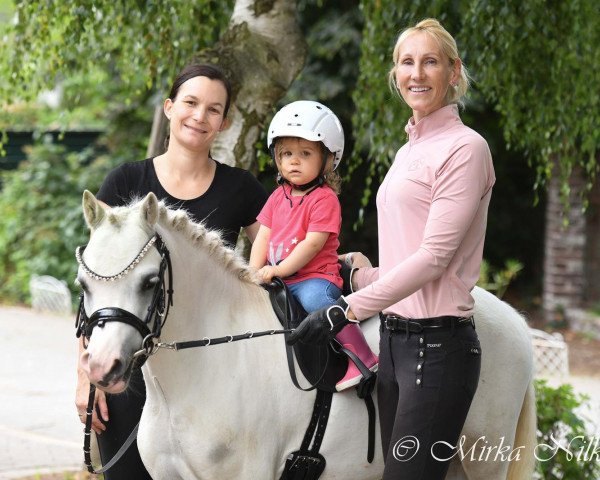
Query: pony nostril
point(115, 370)
point(84, 361)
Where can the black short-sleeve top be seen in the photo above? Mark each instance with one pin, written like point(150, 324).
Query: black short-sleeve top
point(232, 201)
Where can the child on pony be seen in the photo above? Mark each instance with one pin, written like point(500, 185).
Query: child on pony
point(300, 223)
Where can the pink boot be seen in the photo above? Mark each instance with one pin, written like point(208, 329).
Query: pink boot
point(352, 338)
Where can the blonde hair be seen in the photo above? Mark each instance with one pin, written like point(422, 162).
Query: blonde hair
point(332, 178)
point(448, 47)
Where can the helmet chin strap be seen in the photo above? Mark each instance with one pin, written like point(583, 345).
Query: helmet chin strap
point(320, 180)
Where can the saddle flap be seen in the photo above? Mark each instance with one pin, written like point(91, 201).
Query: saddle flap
point(320, 364)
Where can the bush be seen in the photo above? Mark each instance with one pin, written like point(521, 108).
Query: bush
point(42, 221)
point(559, 421)
point(498, 280)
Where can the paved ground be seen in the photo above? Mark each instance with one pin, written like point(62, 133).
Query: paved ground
point(39, 428)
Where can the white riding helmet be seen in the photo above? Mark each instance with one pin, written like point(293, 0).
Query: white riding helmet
point(312, 121)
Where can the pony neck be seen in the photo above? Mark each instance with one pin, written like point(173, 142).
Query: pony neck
point(212, 296)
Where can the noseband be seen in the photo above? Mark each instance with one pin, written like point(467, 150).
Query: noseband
point(162, 299)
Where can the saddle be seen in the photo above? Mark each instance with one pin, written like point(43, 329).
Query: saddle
point(322, 365)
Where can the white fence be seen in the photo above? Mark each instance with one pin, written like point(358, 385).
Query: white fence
point(50, 294)
point(550, 354)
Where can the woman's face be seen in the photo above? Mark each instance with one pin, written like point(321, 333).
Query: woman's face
point(424, 74)
point(196, 113)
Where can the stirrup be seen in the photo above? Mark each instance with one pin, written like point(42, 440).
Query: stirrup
point(303, 466)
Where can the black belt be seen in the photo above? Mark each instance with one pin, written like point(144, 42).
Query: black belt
point(394, 323)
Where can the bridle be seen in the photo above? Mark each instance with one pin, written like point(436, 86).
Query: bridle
point(162, 299)
point(150, 329)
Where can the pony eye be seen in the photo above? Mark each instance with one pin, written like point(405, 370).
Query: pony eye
point(82, 284)
point(150, 283)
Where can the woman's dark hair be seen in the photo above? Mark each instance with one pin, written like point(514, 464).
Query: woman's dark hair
point(202, 70)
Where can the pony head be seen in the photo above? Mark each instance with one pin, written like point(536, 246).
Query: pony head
point(118, 274)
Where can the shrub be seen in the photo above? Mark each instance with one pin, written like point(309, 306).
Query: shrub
point(42, 222)
point(498, 280)
point(559, 421)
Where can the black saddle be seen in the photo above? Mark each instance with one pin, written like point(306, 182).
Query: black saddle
point(322, 365)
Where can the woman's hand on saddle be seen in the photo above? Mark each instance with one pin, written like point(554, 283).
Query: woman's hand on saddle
point(355, 260)
point(322, 325)
point(349, 263)
point(81, 402)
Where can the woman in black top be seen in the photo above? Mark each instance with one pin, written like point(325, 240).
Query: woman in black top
point(225, 198)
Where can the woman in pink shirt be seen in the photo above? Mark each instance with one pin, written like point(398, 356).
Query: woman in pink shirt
point(432, 214)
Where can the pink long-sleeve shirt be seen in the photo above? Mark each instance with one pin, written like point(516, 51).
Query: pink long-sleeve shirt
point(432, 215)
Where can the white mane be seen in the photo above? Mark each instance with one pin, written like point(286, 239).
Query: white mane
point(202, 238)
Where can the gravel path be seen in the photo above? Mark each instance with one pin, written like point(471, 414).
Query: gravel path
point(39, 428)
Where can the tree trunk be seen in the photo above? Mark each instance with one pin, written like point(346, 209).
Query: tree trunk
point(156, 145)
point(262, 52)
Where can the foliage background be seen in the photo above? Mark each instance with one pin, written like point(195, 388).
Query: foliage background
point(532, 62)
point(41, 217)
point(560, 418)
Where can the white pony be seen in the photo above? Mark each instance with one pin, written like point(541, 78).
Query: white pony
point(230, 411)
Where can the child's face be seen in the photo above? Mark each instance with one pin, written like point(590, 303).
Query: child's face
point(299, 160)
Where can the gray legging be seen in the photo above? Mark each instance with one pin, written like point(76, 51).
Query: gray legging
point(425, 385)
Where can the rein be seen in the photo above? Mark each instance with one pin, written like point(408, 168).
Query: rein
point(150, 328)
point(154, 346)
point(205, 342)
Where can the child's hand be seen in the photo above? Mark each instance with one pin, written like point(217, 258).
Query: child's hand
point(266, 273)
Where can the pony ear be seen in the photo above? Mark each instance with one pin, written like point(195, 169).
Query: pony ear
point(150, 209)
point(92, 210)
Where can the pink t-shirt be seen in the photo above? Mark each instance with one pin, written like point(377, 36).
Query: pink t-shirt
point(432, 215)
point(318, 211)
